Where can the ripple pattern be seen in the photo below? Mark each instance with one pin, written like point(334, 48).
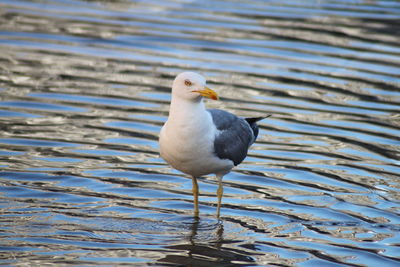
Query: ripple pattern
point(85, 89)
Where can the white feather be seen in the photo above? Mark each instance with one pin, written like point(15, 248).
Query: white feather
point(187, 138)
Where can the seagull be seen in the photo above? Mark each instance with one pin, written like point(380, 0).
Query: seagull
point(199, 141)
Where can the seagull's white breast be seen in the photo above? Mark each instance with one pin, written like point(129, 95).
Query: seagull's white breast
point(187, 143)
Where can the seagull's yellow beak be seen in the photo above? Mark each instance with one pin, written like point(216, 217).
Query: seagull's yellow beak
point(207, 92)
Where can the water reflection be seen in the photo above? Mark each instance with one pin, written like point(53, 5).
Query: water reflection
point(206, 243)
point(85, 88)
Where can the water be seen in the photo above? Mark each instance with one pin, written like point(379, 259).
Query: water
point(85, 88)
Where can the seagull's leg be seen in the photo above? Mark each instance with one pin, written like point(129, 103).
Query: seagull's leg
point(220, 191)
point(195, 190)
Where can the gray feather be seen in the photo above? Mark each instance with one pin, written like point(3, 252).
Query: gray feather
point(235, 137)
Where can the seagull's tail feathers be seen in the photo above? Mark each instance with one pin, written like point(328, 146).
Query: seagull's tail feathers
point(253, 124)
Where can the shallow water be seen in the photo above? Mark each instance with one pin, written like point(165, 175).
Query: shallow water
point(85, 88)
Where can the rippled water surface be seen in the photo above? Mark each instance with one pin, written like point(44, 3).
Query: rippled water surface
point(85, 88)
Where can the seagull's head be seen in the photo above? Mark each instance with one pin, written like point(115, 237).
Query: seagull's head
point(192, 86)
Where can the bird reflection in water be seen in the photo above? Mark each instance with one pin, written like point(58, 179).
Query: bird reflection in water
point(205, 246)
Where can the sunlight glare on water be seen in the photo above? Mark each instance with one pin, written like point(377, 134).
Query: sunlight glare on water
point(85, 89)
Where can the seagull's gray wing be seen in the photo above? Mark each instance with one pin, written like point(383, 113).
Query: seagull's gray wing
point(235, 135)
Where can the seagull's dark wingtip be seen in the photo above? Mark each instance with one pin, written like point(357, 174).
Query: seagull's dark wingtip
point(255, 119)
point(253, 124)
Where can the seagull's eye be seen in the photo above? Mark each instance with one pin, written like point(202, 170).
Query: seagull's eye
point(188, 83)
